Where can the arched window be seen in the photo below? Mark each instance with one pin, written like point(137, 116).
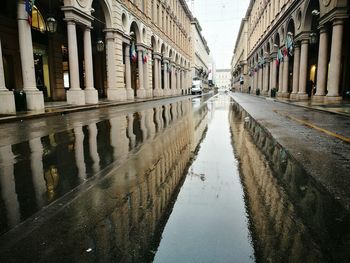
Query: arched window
point(38, 22)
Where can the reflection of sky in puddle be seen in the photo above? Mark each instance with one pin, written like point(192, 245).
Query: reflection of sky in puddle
point(208, 222)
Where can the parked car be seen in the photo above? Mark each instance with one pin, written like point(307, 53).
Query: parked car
point(196, 87)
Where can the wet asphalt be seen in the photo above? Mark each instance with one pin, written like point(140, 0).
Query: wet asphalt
point(224, 178)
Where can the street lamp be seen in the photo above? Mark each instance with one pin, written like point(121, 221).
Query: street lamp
point(313, 38)
point(100, 45)
point(51, 23)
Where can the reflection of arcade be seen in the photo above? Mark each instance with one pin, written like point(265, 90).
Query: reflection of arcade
point(290, 222)
point(117, 217)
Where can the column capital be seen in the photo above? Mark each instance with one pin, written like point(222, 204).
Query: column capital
point(139, 48)
point(338, 21)
point(304, 41)
point(157, 56)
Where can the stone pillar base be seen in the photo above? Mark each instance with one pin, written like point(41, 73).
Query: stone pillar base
point(7, 102)
point(91, 96)
point(284, 94)
point(130, 94)
point(149, 93)
point(76, 97)
point(35, 100)
point(302, 96)
point(265, 93)
point(117, 94)
point(318, 98)
point(157, 93)
point(332, 99)
point(293, 96)
point(141, 93)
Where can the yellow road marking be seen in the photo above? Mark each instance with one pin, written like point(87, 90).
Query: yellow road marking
point(313, 126)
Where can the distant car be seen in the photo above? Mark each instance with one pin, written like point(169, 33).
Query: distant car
point(196, 87)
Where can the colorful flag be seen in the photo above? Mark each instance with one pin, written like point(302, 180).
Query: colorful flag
point(29, 8)
point(133, 54)
point(289, 45)
point(144, 57)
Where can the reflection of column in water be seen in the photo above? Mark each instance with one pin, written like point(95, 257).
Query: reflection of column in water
point(7, 185)
point(119, 140)
point(79, 151)
point(143, 125)
point(159, 119)
point(167, 114)
point(36, 164)
point(149, 123)
point(93, 147)
point(131, 134)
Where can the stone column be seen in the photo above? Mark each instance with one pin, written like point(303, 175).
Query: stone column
point(156, 91)
point(7, 100)
point(113, 91)
point(261, 79)
point(285, 93)
point(271, 76)
point(178, 84)
point(176, 72)
point(280, 78)
point(149, 92)
point(322, 66)
point(334, 73)
point(75, 95)
point(296, 69)
point(166, 74)
point(129, 91)
point(141, 92)
point(302, 95)
point(91, 95)
point(35, 98)
point(274, 72)
point(266, 79)
point(173, 81)
point(160, 84)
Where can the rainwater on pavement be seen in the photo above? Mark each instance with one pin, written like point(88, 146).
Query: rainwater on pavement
point(180, 180)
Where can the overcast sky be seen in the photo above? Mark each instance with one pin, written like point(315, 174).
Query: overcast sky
point(220, 21)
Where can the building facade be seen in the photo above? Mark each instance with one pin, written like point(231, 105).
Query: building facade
point(118, 50)
point(200, 54)
point(297, 48)
point(239, 66)
point(223, 78)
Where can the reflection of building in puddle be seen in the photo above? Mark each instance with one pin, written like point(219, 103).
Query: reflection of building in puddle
point(119, 217)
point(44, 169)
point(291, 218)
point(200, 125)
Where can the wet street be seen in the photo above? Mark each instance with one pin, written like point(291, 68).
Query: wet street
point(191, 179)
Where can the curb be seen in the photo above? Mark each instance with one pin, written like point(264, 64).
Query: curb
point(54, 112)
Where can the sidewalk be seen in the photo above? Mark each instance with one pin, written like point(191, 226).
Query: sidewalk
point(61, 107)
point(342, 108)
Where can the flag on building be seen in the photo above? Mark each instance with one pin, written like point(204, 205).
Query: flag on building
point(133, 54)
point(289, 45)
point(29, 8)
point(279, 57)
point(144, 57)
